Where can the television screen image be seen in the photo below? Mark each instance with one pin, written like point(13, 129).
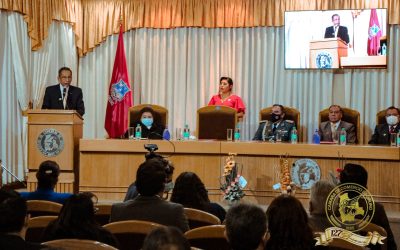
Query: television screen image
point(334, 39)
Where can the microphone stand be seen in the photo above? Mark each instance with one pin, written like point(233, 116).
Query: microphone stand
point(13, 175)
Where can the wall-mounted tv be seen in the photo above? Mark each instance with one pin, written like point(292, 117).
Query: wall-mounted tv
point(336, 39)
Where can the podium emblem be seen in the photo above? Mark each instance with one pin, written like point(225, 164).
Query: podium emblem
point(50, 142)
point(305, 172)
point(324, 60)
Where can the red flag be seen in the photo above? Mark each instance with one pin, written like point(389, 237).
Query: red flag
point(374, 34)
point(119, 94)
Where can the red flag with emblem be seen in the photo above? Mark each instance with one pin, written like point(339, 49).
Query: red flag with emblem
point(374, 34)
point(119, 94)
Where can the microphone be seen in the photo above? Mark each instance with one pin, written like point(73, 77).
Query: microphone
point(13, 175)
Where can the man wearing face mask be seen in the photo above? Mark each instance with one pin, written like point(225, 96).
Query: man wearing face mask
point(150, 127)
point(268, 130)
point(382, 131)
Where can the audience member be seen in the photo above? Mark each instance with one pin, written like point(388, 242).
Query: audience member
point(190, 191)
point(150, 124)
point(288, 225)
point(77, 221)
point(318, 194)
point(14, 221)
point(165, 238)
point(276, 128)
point(149, 206)
point(47, 177)
point(246, 227)
point(330, 130)
point(354, 173)
point(382, 131)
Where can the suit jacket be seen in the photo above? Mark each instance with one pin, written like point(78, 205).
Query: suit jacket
point(266, 133)
point(53, 99)
point(381, 134)
point(342, 33)
point(150, 208)
point(325, 131)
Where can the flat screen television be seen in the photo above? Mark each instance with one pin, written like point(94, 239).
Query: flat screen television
point(336, 39)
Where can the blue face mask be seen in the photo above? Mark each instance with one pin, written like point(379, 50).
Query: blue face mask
point(147, 121)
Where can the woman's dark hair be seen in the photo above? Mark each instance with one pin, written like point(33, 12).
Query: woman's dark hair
point(47, 175)
point(228, 79)
point(190, 191)
point(288, 225)
point(165, 238)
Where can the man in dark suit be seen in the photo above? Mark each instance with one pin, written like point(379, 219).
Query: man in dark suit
point(276, 128)
point(382, 131)
point(336, 30)
point(63, 95)
point(335, 125)
point(149, 206)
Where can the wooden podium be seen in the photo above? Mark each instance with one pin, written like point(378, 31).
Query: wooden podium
point(54, 135)
point(326, 53)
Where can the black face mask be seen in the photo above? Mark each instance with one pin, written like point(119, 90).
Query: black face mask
point(274, 118)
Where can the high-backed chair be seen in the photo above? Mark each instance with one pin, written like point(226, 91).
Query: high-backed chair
point(131, 233)
point(349, 115)
point(213, 121)
point(103, 212)
point(290, 114)
point(43, 208)
point(73, 244)
point(198, 218)
point(161, 114)
point(381, 117)
point(208, 237)
point(36, 227)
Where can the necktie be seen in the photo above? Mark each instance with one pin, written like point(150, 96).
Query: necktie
point(64, 97)
point(335, 32)
point(273, 127)
point(391, 129)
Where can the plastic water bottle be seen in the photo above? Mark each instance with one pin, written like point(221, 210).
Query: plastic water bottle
point(237, 133)
point(383, 49)
point(138, 132)
point(316, 139)
point(398, 140)
point(293, 136)
point(186, 132)
point(166, 135)
point(343, 137)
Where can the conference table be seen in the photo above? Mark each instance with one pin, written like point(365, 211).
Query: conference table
point(108, 166)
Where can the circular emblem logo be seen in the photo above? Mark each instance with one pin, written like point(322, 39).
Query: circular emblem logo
point(350, 206)
point(324, 60)
point(50, 142)
point(305, 172)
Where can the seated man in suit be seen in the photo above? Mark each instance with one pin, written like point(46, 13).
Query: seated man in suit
point(336, 30)
point(149, 206)
point(63, 95)
point(335, 125)
point(276, 128)
point(382, 131)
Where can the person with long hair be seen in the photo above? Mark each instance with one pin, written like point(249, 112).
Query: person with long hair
point(288, 225)
point(166, 238)
point(77, 221)
point(190, 191)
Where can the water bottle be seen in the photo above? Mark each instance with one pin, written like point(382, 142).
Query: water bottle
point(343, 137)
point(293, 136)
point(186, 132)
point(138, 132)
point(166, 135)
point(316, 139)
point(398, 139)
point(237, 133)
point(383, 50)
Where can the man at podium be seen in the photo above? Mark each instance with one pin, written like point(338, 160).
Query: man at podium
point(336, 30)
point(63, 95)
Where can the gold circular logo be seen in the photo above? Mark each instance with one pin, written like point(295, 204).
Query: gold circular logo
point(350, 206)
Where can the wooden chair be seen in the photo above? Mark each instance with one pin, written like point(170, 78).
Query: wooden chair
point(131, 233)
point(43, 208)
point(349, 115)
point(161, 114)
point(381, 117)
point(222, 118)
point(371, 227)
point(208, 237)
point(198, 218)
point(36, 227)
point(340, 244)
point(73, 244)
point(103, 212)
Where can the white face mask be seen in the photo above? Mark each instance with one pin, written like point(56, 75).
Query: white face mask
point(392, 120)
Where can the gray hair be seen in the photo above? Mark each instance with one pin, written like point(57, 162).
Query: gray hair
point(318, 194)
